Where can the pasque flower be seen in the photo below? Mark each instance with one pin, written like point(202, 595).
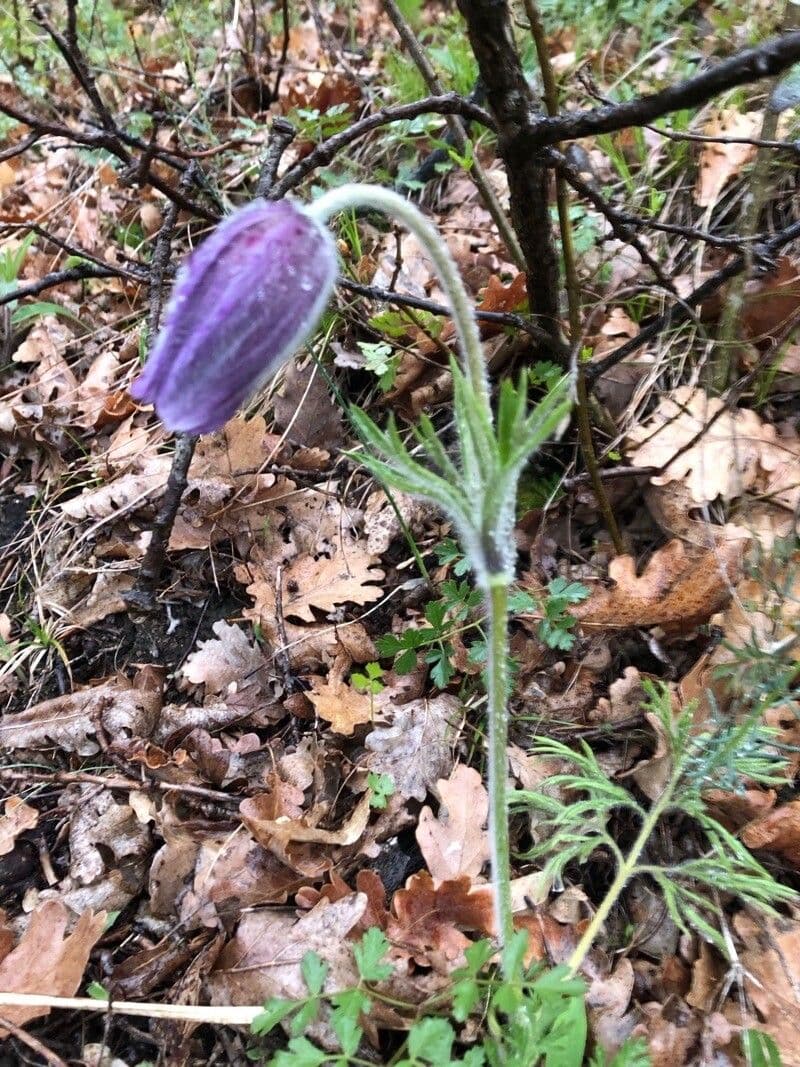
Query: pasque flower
point(244, 302)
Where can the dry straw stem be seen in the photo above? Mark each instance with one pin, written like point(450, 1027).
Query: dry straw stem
point(220, 1015)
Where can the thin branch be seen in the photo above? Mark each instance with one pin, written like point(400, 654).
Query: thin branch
point(76, 62)
point(33, 1043)
point(59, 277)
point(20, 147)
point(323, 154)
point(620, 226)
point(459, 134)
point(746, 67)
point(512, 103)
point(682, 311)
point(282, 133)
point(503, 318)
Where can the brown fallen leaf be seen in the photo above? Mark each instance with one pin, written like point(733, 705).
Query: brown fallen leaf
point(44, 960)
point(454, 843)
point(415, 750)
point(70, 722)
point(305, 410)
point(777, 831)
point(721, 162)
point(227, 661)
point(264, 958)
point(722, 463)
point(429, 921)
point(679, 588)
point(340, 704)
point(770, 964)
point(16, 818)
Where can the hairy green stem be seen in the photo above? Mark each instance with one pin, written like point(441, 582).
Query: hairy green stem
point(494, 585)
point(390, 203)
point(497, 715)
point(625, 871)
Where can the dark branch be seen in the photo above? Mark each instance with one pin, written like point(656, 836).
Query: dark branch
point(503, 318)
point(752, 65)
point(681, 312)
point(323, 154)
point(59, 277)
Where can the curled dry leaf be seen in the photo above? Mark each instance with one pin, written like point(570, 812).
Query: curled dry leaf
point(721, 162)
point(263, 959)
point(777, 831)
point(227, 661)
point(415, 750)
point(284, 831)
point(455, 843)
point(770, 964)
point(45, 960)
point(679, 588)
point(70, 722)
point(16, 818)
point(428, 920)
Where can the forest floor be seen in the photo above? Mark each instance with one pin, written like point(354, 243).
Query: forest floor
point(258, 776)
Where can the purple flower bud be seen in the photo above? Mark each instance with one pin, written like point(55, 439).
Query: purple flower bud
point(244, 302)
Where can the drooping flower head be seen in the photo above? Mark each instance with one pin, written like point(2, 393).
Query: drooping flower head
point(244, 302)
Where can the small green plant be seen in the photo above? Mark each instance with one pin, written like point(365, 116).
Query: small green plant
point(530, 1015)
point(555, 629)
point(721, 756)
point(12, 261)
point(382, 786)
point(381, 360)
point(444, 618)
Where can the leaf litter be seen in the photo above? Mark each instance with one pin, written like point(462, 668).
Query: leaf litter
point(218, 796)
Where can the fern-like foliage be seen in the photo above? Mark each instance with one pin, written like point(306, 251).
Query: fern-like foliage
point(717, 756)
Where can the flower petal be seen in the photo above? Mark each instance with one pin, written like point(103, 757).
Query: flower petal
point(245, 301)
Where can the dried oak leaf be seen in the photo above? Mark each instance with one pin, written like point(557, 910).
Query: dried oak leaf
point(721, 162)
point(283, 831)
point(428, 920)
point(416, 748)
point(454, 843)
point(45, 961)
point(724, 462)
point(264, 958)
point(69, 722)
point(340, 704)
point(226, 661)
point(233, 873)
point(326, 584)
point(678, 589)
point(625, 698)
point(305, 410)
point(17, 817)
point(777, 831)
point(108, 849)
point(770, 964)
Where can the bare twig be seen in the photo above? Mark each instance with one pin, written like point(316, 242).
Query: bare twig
point(616, 219)
point(32, 1043)
point(440, 104)
point(8, 774)
point(458, 132)
point(503, 318)
point(582, 412)
point(72, 274)
point(282, 134)
point(748, 66)
point(679, 312)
